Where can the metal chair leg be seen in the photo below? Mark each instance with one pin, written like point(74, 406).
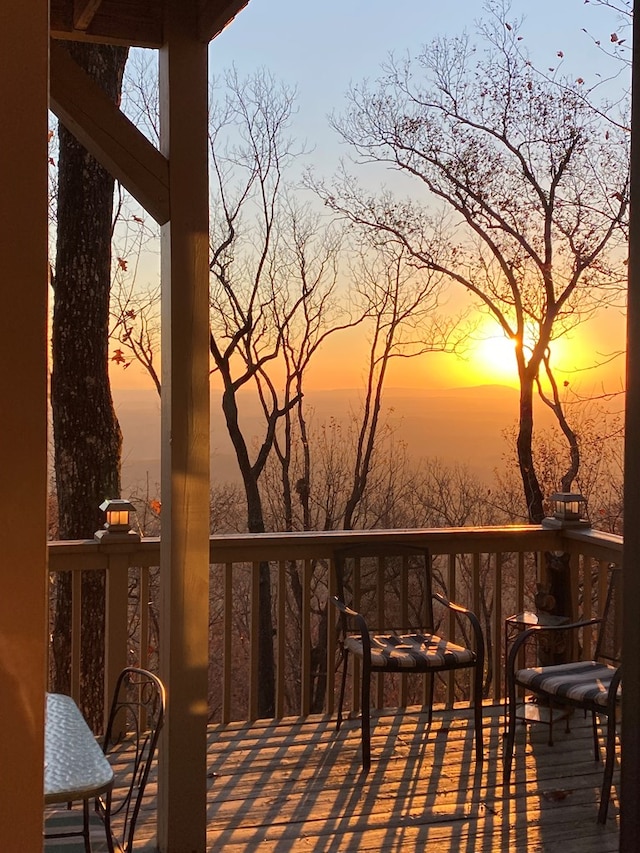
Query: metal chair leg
point(477, 714)
point(596, 741)
point(366, 717)
point(430, 677)
point(86, 833)
point(345, 659)
point(605, 792)
point(509, 740)
point(107, 823)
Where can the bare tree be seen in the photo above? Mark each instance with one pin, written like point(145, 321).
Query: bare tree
point(617, 43)
point(135, 327)
point(272, 278)
point(525, 192)
point(401, 304)
point(311, 254)
point(397, 310)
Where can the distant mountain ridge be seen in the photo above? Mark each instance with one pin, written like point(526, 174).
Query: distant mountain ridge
point(463, 425)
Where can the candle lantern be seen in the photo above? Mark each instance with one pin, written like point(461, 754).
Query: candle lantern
point(117, 526)
point(569, 510)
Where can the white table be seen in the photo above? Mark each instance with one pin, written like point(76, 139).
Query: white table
point(75, 768)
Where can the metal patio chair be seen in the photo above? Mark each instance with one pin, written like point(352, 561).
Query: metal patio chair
point(407, 648)
point(130, 741)
point(592, 685)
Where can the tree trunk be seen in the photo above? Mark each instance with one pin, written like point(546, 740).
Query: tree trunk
point(87, 437)
point(532, 490)
point(255, 524)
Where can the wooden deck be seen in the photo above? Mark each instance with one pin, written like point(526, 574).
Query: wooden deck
point(296, 785)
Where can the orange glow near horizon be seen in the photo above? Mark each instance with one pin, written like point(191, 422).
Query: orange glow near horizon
point(488, 359)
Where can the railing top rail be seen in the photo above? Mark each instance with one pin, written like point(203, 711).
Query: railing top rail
point(593, 542)
point(246, 547)
point(450, 540)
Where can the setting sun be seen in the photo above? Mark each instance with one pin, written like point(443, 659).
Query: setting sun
point(491, 358)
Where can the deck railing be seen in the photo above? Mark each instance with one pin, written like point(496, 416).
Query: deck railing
point(492, 570)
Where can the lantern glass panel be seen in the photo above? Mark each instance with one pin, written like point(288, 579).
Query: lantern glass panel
point(568, 507)
point(118, 518)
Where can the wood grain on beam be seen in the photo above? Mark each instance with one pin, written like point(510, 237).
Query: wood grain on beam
point(84, 12)
point(127, 22)
point(120, 37)
point(108, 134)
point(215, 15)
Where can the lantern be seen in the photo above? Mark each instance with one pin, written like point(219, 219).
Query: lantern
point(569, 510)
point(118, 521)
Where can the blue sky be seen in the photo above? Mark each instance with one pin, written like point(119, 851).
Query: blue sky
point(321, 48)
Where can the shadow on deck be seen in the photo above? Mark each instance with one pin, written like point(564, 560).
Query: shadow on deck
point(296, 785)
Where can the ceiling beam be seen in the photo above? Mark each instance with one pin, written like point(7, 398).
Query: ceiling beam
point(215, 15)
point(133, 22)
point(84, 12)
point(127, 22)
point(108, 134)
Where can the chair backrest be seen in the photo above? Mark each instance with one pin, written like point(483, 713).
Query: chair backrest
point(135, 720)
point(389, 584)
point(609, 642)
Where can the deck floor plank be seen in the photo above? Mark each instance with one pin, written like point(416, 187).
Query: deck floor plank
point(295, 786)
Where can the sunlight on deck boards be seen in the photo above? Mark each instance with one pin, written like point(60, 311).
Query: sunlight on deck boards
point(296, 786)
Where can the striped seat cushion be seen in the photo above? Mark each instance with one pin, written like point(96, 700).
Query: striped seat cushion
point(412, 651)
point(582, 682)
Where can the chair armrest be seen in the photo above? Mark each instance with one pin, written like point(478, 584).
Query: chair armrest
point(473, 619)
point(522, 638)
point(348, 612)
point(344, 608)
point(437, 596)
point(612, 696)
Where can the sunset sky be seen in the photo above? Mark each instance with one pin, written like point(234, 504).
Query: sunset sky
point(320, 48)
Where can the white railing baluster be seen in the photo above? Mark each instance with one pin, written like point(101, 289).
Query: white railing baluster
point(281, 640)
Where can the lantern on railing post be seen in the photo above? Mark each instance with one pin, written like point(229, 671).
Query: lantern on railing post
point(117, 527)
point(569, 510)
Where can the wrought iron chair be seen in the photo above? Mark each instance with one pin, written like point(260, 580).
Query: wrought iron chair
point(410, 649)
point(135, 720)
point(592, 685)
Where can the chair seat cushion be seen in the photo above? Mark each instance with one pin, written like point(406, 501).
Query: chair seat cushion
point(412, 651)
point(584, 682)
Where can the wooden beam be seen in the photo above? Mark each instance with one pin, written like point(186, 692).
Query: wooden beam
point(630, 733)
point(128, 22)
point(132, 22)
point(108, 134)
point(215, 15)
point(84, 12)
point(184, 546)
point(117, 35)
point(23, 424)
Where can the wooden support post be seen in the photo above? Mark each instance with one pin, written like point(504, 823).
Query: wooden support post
point(184, 553)
point(630, 764)
point(24, 44)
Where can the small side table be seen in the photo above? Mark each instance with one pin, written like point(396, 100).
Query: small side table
point(75, 766)
point(530, 712)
